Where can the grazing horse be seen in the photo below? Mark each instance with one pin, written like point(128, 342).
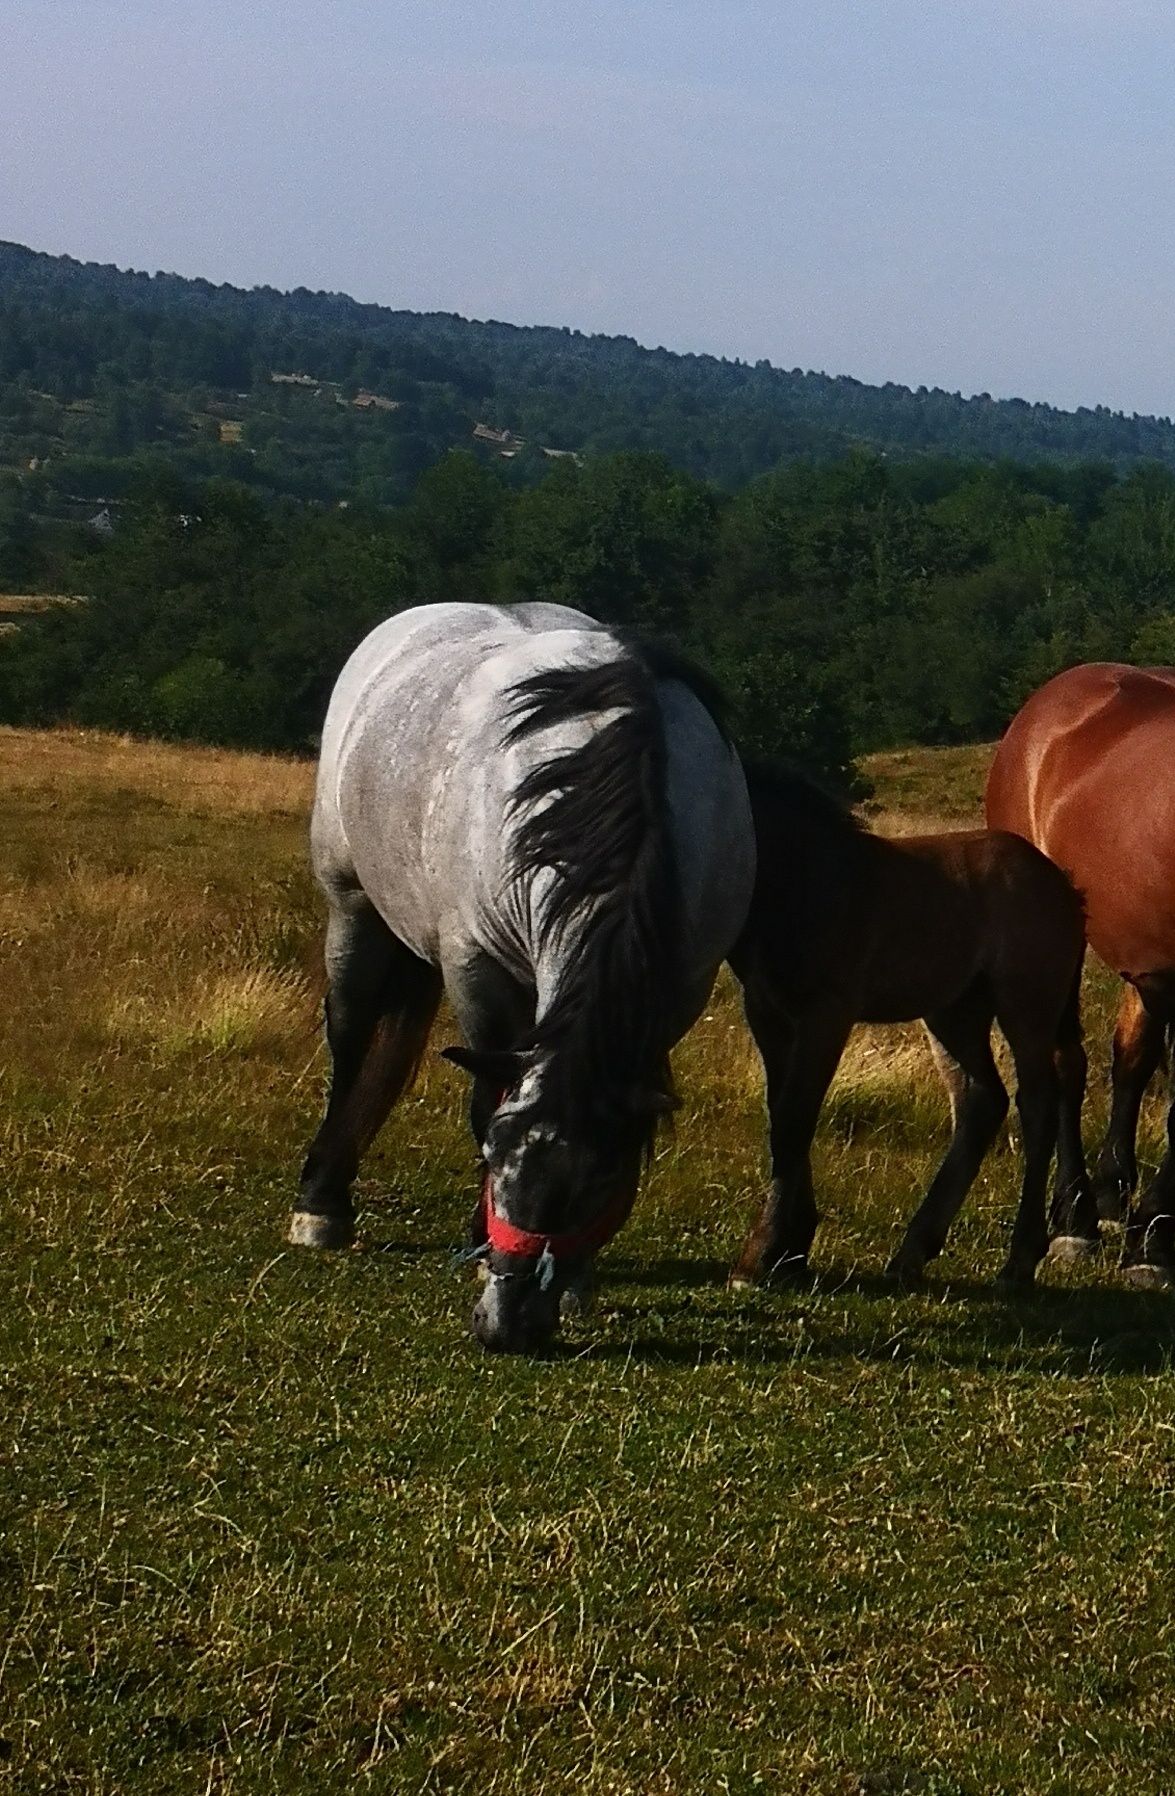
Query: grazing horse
point(960, 930)
point(519, 808)
point(1087, 772)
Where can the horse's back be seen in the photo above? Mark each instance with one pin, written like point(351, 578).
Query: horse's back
point(416, 780)
point(1086, 771)
point(413, 772)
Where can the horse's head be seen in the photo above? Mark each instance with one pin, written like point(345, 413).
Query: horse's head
point(560, 1178)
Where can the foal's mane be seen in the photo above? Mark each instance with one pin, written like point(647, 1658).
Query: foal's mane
point(789, 798)
point(599, 816)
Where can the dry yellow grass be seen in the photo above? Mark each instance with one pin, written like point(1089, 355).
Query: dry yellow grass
point(13, 604)
point(59, 762)
point(920, 791)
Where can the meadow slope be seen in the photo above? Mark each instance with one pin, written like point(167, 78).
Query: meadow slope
point(270, 1521)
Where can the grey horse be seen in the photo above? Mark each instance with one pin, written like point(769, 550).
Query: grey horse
point(522, 809)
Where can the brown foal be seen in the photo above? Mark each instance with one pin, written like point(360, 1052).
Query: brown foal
point(962, 930)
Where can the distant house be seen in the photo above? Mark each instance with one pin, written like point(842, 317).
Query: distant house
point(502, 440)
point(374, 402)
point(102, 524)
point(560, 454)
point(294, 380)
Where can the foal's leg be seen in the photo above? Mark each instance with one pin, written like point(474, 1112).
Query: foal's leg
point(381, 1000)
point(1074, 1212)
point(1138, 1048)
point(800, 1056)
point(1037, 1099)
point(979, 1104)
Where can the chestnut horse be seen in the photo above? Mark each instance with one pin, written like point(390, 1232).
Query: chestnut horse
point(961, 930)
point(1086, 771)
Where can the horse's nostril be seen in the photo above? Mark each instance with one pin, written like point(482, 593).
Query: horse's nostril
point(514, 1330)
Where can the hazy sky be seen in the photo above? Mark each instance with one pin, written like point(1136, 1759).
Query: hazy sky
point(972, 193)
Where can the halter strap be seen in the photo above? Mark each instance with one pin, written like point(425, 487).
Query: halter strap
point(531, 1244)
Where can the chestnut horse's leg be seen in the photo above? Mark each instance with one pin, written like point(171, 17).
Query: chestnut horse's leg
point(1138, 1049)
point(979, 1103)
point(1149, 1255)
point(800, 1056)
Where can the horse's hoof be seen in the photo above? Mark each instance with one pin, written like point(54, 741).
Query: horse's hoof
point(576, 1302)
point(1146, 1277)
point(308, 1228)
point(905, 1272)
point(1112, 1209)
point(1016, 1283)
point(1072, 1248)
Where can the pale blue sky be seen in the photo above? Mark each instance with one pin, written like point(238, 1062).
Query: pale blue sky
point(975, 195)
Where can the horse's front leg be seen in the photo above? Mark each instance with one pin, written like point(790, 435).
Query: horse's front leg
point(800, 1055)
point(381, 1000)
point(1148, 1259)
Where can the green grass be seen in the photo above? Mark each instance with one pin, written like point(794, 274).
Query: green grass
point(271, 1522)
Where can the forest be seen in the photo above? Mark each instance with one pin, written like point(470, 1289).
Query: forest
point(314, 396)
point(845, 605)
point(231, 487)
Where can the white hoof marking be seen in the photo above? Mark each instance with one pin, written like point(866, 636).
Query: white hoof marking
point(1148, 1278)
point(310, 1230)
point(1070, 1248)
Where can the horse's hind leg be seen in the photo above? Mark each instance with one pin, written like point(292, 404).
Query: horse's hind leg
point(961, 1038)
point(381, 1000)
point(1037, 1099)
point(1138, 1049)
point(1074, 1218)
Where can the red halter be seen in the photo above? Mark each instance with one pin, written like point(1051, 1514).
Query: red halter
point(529, 1244)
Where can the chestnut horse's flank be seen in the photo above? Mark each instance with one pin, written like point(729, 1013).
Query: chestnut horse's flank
point(1087, 772)
point(960, 930)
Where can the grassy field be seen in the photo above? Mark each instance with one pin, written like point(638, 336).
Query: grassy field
point(271, 1522)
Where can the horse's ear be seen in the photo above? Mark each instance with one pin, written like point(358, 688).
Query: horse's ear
point(501, 1066)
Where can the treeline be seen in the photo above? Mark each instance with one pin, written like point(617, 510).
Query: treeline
point(845, 606)
point(98, 366)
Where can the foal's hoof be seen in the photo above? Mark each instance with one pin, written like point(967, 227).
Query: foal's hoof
point(1145, 1277)
point(1072, 1248)
point(791, 1273)
point(1016, 1281)
point(308, 1228)
point(905, 1270)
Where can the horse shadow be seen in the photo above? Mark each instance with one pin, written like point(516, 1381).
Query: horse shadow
point(1089, 1330)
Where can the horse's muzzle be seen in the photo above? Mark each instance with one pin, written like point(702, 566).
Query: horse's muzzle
point(515, 1315)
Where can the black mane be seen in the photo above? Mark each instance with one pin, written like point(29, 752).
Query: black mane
point(788, 797)
point(603, 825)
